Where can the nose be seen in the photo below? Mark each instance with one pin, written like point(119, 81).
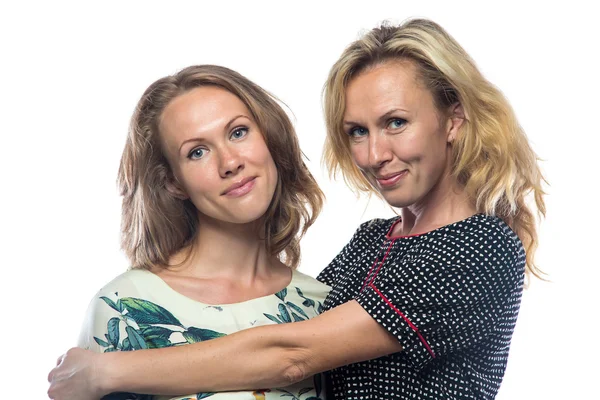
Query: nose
point(379, 150)
point(230, 162)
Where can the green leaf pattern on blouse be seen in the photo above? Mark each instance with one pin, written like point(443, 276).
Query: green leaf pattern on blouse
point(149, 326)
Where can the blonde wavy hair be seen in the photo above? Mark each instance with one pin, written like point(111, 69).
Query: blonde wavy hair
point(491, 157)
point(155, 224)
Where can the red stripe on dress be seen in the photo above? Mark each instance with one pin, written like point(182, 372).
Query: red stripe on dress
point(413, 327)
point(381, 263)
point(368, 275)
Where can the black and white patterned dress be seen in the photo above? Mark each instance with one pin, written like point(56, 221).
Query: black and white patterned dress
point(451, 296)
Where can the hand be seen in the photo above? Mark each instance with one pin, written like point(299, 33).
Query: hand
point(76, 376)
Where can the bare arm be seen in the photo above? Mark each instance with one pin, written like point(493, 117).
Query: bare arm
point(267, 356)
point(262, 357)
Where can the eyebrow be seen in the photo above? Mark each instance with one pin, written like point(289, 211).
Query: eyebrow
point(225, 128)
point(380, 120)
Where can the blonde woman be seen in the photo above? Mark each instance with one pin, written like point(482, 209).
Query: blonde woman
point(215, 194)
point(422, 306)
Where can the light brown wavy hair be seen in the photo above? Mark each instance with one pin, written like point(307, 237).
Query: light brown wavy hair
point(155, 224)
point(491, 157)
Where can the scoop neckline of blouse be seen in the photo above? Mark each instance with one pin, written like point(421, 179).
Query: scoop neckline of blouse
point(168, 287)
point(399, 219)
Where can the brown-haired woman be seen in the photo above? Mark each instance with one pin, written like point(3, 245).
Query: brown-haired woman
point(215, 193)
point(422, 306)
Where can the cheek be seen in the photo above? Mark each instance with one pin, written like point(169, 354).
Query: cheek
point(420, 148)
point(258, 156)
point(432, 164)
point(436, 149)
point(360, 154)
point(198, 180)
point(254, 149)
point(271, 168)
point(406, 148)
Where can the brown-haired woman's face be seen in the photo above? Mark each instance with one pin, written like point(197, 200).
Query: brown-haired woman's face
point(218, 155)
point(397, 137)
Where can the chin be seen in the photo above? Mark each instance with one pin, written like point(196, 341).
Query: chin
point(245, 212)
point(247, 219)
point(249, 214)
point(398, 200)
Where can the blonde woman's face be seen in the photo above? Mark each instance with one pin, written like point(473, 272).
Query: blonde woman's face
point(218, 155)
point(397, 137)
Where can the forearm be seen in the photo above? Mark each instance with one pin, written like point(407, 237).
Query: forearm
point(261, 357)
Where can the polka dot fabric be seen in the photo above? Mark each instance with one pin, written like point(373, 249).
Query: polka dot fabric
point(451, 296)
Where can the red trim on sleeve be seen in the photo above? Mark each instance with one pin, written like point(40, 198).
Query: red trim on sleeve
point(413, 327)
point(389, 303)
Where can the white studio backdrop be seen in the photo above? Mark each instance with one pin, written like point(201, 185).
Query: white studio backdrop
point(71, 75)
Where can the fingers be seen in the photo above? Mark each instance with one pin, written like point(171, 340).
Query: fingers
point(58, 362)
point(51, 380)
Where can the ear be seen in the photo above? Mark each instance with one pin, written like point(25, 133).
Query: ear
point(175, 189)
point(455, 121)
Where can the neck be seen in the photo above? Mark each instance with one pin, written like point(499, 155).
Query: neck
point(225, 250)
point(446, 203)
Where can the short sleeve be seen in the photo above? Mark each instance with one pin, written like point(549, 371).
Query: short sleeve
point(348, 253)
point(103, 329)
point(100, 329)
point(435, 308)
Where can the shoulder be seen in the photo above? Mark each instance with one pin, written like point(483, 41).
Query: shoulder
point(490, 233)
point(484, 232)
point(368, 236)
point(480, 243)
point(105, 310)
point(309, 286)
point(134, 283)
point(372, 232)
point(127, 283)
point(301, 279)
point(376, 227)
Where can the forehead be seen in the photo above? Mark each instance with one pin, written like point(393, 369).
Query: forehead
point(200, 109)
point(393, 84)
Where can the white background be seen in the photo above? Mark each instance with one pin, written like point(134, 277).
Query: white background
point(71, 75)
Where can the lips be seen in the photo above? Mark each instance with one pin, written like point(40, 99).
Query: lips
point(240, 188)
point(389, 180)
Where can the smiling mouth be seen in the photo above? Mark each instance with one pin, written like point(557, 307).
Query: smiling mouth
point(390, 180)
point(240, 188)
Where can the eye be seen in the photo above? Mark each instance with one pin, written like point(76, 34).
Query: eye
point(196, 154)
point(396, 123)
point(239, 133)
point(358, 132)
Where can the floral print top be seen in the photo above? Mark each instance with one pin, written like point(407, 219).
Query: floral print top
point(138, 310)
